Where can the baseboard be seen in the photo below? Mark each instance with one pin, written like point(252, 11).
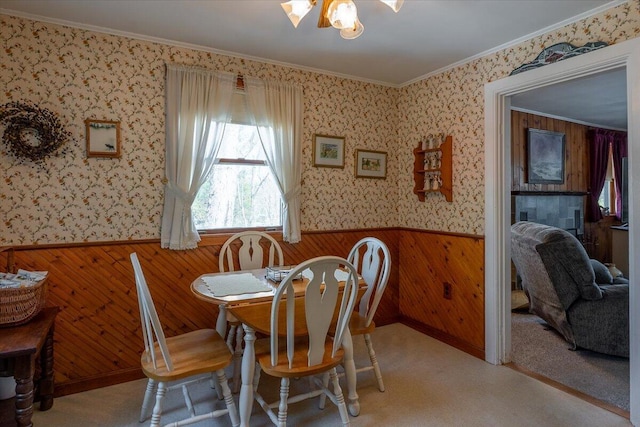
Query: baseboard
point(86, 384)
point(597, 402)
point(444, 337)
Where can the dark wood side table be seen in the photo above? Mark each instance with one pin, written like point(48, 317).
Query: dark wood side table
point(26, 344)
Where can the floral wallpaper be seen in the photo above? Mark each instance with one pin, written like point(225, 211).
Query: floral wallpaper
point(453, 102)
point(80, 74)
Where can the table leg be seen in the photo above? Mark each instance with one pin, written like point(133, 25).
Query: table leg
point(353, 404)
point(23, 373)
point(248, 370)
point(46, 377)
point(221, 321)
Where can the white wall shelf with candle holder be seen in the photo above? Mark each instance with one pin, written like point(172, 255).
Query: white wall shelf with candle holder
point(432, 167)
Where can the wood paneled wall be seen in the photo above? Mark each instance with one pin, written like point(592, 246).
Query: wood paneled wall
point(98, 340)
point(429, 262)
point(576, 153)
point(597, 238)
point(97, 334)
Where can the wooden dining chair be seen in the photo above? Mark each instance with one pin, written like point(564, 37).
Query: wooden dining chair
point(304, 322)
point(186, 359)
point(371, 258)
point(243, 251)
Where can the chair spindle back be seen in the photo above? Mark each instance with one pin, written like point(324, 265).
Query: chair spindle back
point(371, 258)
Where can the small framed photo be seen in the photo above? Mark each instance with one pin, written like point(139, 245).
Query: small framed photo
point(103, 138)
point(545, 157)
point(328, 151)
point(371, 164)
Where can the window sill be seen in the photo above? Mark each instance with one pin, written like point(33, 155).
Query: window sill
point(218, 237)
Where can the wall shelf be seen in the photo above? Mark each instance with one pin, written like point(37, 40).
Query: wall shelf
point(430, 164)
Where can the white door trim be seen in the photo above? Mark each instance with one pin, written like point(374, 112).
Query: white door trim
point(498, 184)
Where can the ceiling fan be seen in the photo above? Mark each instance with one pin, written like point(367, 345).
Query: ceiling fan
point(340, 14)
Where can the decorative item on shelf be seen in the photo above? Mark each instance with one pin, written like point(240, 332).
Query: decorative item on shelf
point(436, 182)
point(432, 142)
point(25, 123)
point(432, 167)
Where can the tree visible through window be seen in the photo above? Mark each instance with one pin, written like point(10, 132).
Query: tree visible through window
point(240, 191)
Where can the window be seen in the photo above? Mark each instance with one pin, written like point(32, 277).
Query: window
point(607, 199)
point(241, 191)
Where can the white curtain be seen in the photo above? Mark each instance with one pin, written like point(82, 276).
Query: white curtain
point(197, 106)
point(277, 109)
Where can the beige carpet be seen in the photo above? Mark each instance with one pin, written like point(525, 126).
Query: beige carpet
point(428, 384)
point(537, 347)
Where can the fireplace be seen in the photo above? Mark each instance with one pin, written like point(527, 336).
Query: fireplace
point(559, 209)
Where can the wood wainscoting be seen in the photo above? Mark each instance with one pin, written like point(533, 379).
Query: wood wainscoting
point(97, 334)
point(442, 287)
point(98, 341)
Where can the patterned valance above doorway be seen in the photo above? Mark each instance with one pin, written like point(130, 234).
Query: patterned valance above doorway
point(556, 53)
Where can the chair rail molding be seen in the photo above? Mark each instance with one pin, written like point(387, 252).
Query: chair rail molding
point(497, 184)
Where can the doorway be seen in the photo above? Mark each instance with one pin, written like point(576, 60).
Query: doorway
point(572, 108)
point(497, 195)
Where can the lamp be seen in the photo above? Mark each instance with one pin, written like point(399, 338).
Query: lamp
point(297, 9)
point(353, 32)
point(393, 4)
point(340, 14)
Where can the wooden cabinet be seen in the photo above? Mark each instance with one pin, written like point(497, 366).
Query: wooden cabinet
point(620, 248)
point(432, 170)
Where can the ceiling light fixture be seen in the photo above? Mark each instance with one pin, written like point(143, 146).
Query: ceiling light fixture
point(339, 14)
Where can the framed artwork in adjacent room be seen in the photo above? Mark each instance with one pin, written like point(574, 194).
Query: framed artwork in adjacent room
point(103, 138)
point(545, 155)
point(371, 164)
point(328, 151)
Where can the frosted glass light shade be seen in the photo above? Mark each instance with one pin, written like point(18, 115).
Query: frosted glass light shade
point(352, 33)
point(297, 9)
point(393, 4)
point(342, 14)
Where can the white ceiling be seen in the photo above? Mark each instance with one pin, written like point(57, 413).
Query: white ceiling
point(423, 38)
point(598, 100)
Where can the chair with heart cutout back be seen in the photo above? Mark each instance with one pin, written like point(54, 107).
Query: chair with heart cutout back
point(371, 258)
point(246, 247)
point(309, 350)
point(183, 360)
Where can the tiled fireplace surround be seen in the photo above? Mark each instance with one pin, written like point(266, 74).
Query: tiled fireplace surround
point(562, 210)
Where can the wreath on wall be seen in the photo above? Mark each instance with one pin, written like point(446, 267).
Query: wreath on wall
point(23, 122)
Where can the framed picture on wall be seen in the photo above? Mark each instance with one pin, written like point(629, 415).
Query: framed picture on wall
point(371, 164)
point(328, 151)
point(103, 138)
point(545, 156)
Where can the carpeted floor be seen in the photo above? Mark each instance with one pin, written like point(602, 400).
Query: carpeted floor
point(428, 383)
point(538, 348)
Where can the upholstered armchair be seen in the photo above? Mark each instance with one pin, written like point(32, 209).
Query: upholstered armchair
point(559, 279)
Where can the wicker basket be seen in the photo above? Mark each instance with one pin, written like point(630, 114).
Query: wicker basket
point(19, 305)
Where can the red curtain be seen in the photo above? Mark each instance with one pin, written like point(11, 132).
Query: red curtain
point(601, 140)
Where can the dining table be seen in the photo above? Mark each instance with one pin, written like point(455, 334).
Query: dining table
point(248, 295)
